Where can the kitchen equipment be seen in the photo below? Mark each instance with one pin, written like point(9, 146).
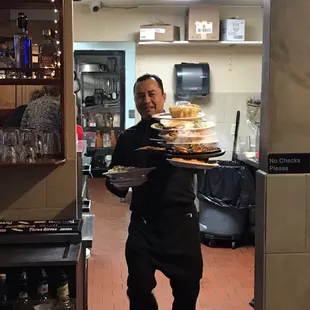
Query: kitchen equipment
point(98, 96)
point(112, 64)
point(114, 94)
point(116, 120)
point(108, 160)
point(83, 67)
point(106, 139)
point(192, 80)
point(234, 153)
point(89, 101)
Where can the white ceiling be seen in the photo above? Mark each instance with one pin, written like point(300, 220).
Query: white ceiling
point(175, 2)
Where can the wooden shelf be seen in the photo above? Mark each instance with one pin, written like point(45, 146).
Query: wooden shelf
point(202, 43)
point(32, 76)
point(37, 163)
point(30, 81)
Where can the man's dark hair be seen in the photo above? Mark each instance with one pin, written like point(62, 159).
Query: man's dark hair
point(146, 77)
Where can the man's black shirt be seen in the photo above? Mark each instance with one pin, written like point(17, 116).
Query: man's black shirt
point(168, 188)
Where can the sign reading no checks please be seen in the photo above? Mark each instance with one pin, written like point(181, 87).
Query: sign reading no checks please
point(288, 163)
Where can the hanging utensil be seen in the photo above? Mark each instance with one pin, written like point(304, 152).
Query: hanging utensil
point(114, 95)
point(234, 153)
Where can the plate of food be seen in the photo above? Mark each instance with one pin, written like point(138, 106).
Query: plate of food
point(182, 112)
point(199, 155)
point(206, 141)
point(121, 172)
point(129, 182)
point(192, 163)
point(157, 140)
point(168, 116)
point(151, 148)
point(168, 125)
point(184, 136)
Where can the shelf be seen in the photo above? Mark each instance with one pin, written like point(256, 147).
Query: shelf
point(37, 76)
point(202, 43)
point(100, 72)
point(103, 128)
point(114, 105)
point(29, 81)
point(37, 163)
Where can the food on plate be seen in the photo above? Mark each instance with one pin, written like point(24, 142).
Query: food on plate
point(119, 169)
point(151, 148)
point(195, 162)
point(193, 148)
point(183, 135)
point(184, 111)
point(189, 125)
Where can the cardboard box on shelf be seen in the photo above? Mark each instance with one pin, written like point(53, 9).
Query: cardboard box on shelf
point(159, 32)
point(203, 23)
point(233, 29)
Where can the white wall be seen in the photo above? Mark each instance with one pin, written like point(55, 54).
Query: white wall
point(235, 71)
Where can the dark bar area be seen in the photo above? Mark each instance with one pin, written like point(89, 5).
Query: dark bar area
point(46, 224)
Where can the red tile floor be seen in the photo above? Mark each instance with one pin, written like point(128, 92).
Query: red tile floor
point(228, 278)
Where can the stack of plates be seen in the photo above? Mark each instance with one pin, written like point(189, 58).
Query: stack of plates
point(126, 179)
point(189, 142)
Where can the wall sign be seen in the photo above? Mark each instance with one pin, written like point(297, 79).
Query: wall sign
point(288, 163)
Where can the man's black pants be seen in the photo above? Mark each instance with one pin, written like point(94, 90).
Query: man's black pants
point(178, 256)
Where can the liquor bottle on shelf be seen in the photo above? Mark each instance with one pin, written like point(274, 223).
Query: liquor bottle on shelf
point(63, 295)
point(23, 44)
point(43, 295)
point(4, 303)
point(23, 300)
point(48, 53)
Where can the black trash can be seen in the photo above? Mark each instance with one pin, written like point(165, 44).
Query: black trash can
point(225, 194)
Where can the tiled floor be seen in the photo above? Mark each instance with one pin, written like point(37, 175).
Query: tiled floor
point(228, 274)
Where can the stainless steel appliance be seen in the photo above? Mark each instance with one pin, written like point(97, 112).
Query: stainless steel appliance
point(100, 101)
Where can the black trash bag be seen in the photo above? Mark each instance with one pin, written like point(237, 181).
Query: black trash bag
point(230, 185)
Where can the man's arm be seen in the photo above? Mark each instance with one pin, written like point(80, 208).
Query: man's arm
point(118, 159)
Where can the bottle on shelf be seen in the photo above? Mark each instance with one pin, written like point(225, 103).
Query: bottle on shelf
point(84, 120)
point(48, 53)
point(23, 300)
point(23, 44)
point(109, 120)
point(43, 294)
point(99, 142)
point(63, 295)
point(4, 303)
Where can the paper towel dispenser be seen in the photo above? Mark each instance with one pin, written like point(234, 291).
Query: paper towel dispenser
point(192, 80)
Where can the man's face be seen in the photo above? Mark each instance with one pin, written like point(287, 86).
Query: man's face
point(149, 98)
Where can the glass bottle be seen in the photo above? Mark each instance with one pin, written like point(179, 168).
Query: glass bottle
point(23, 300)
point(63, 295)
point(4, 303)
point(43, 295)
point(48, 53)
point(98, 139)
point(6, 62)
point(23, 44)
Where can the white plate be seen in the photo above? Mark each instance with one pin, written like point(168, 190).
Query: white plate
point(154, 126)
point(183, 136)
point(168, 129)
point(207, 142)
point(130, 174)
point(190, 165)
point(129, 183)
point(157, 140)
point(160, 116)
